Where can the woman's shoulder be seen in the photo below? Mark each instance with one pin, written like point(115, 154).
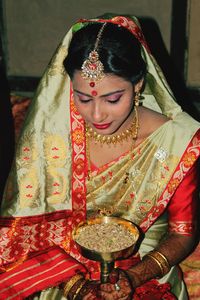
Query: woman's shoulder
point(150, 121)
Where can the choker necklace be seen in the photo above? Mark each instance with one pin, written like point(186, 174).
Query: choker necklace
point(132, 132)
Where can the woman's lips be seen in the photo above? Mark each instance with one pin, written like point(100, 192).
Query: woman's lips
point(102, 126)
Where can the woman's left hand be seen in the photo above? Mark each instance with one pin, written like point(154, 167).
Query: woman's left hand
point(121, 289)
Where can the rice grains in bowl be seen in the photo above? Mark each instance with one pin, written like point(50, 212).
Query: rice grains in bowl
point(105, 237)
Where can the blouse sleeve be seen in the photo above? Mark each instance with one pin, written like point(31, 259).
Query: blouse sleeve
point(183, 206)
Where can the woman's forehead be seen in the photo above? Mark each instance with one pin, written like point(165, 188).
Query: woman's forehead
point(107, 80)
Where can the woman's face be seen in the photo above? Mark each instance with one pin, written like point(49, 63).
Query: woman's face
point(107, 106)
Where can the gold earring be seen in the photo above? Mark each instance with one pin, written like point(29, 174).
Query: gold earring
point(137, 98)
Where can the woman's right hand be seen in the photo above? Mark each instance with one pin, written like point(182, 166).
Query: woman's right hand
point(119, 287)
point(90, 291)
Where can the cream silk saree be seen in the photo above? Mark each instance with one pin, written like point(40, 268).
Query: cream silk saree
point(47, 193)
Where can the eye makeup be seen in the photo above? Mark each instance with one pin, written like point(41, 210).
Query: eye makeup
point(112, 97)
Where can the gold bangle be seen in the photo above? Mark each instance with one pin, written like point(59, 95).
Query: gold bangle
point(161, 261)
point(71, 283)
point(164, 258)
point(157, 261)
point(78, 289)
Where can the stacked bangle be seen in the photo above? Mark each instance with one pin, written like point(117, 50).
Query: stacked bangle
point(78, 289)
point(70, 283)
point(161, 261)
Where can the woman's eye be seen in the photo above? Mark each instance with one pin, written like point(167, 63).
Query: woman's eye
point(115, 100)
point(84, 100)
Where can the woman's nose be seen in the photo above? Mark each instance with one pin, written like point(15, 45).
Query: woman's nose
point(98, 113)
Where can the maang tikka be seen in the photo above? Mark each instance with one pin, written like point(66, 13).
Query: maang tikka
point(92, 67)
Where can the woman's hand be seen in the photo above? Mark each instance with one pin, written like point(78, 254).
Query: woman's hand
point(119, 287)
point(90, 291)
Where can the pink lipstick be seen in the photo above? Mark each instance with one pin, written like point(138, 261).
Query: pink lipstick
point(102, 126)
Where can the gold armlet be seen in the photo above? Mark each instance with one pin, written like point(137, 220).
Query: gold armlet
point(70, 283)
point(161, 261)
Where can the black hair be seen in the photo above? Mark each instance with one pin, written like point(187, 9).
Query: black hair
point(118, 49)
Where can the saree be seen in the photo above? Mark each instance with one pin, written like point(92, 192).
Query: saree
point(48, 194)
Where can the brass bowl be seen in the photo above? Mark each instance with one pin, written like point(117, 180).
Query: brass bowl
point(106, 256)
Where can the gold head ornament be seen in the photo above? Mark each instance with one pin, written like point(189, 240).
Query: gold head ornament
point(92, 68)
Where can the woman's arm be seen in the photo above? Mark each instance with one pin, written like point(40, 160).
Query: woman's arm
point(182, 235)
point(175, 248)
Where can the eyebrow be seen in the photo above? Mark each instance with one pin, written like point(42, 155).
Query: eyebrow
point(105, 95)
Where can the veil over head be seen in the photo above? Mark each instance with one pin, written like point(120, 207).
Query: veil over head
point(40, 180)
point(45, 194)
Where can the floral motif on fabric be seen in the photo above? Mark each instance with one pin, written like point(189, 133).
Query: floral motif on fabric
point(29, 189)
point(26, 153)
point(189, 157)
point(184, 228)
point(33, 234)
point(78, 137)
point(131, 193)
point(78, 163)
point(55, 152)
point(28, 176)
point(56, 188)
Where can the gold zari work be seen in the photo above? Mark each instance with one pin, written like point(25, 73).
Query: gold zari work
point(120, 190)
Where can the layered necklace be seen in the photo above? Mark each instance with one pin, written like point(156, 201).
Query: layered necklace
point(132, 132)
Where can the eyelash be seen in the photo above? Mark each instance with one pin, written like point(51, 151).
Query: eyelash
point(114, 101)
point(110, 101)
point(85, 101)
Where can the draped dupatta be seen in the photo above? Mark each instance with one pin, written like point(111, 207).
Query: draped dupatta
point(45, 195)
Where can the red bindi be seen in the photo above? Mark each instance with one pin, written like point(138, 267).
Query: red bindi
point(94, 93)
point(92, 83)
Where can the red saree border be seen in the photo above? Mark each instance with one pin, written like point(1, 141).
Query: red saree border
point(189, 157)
point(45, 229)
point(79, 171)
point(38, 273)
point(23, 236)
point(27, 220)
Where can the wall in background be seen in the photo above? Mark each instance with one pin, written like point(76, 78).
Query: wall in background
point(34, 28)
point(192, 68)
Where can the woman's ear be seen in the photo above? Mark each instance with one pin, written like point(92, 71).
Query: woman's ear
point(138, 86)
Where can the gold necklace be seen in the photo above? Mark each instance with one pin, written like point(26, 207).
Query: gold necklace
point(132, 131)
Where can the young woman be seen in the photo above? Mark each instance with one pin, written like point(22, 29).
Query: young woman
point(90, 147)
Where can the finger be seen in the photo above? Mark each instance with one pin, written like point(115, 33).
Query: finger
point(114, 295)
point(107, 287)
point(114, 276)
point(90, 296)
point(124, 282)
point(125, 285)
